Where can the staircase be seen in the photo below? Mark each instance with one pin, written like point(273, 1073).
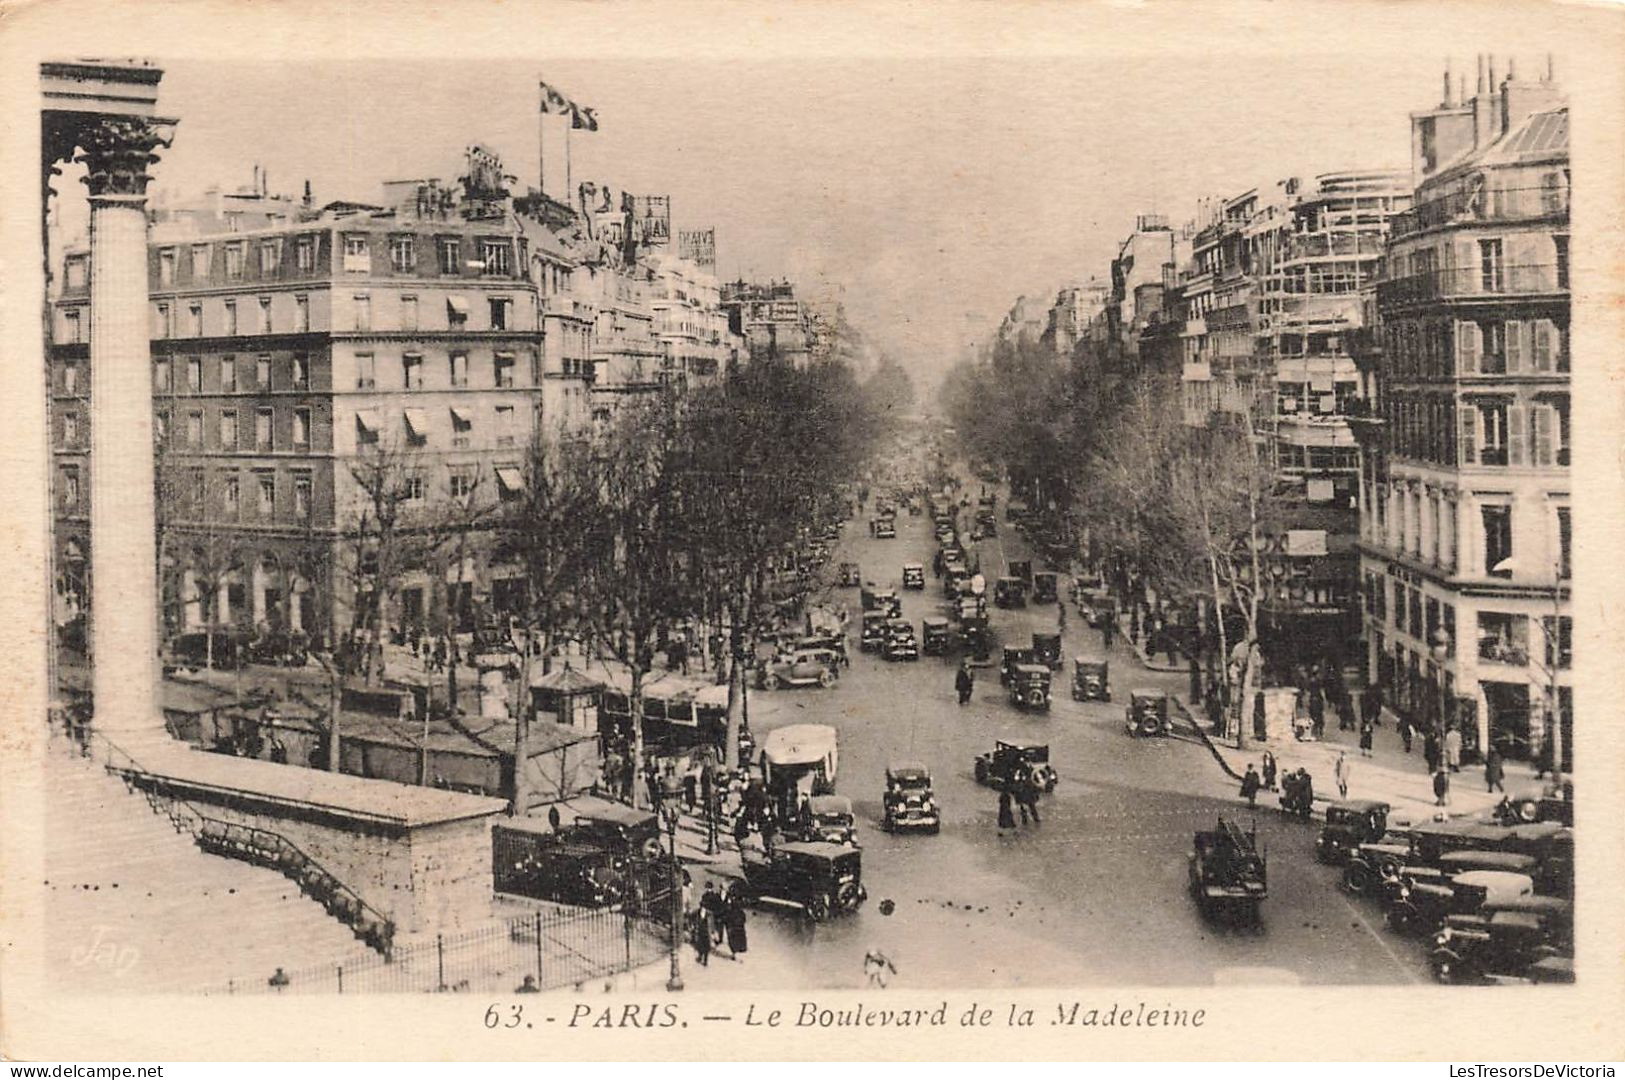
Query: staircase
point(133, 905)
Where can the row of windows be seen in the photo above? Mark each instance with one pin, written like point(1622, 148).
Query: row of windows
point(1441, 348)
point(190, 496)
point(232, 432)
point(265, 321)
point(195, 264)
point(417, 428)
point(1483, 430)
point(230, 374)
point(412, 369)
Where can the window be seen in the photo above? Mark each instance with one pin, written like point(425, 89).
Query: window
point(75, 270)
point(496, 256)
point(200, 262)
point(194, 319)
point(228, 374)
point(160, 427)
point(194, 428)
point(70, 428)
point(262, 372)
point(301, 314)
point(162, 381)
point(412, 487)
point(459, 369)
point(1545, 430)
point(504, 369)
point(1558, 632)
point(463, 480)
point(305, 254)
point(265, 314)
point(264, 436)
point(1565, 540)
point(70, 487)
point(166, 268)
point(231, 496)
point(234, 262)
point(1492, 432)
point(270, 256)
point(451, 256)
point(75, 330)
point(365, 375)
point(301, 497)
point(504, 425)
point(1503, 638)
point(363, 312)
point(412, 367)
point(1543, 350)
point(1561, 246)
point(299, 372)
point(462, 427)
point(1491, 266)
point(194, 374)
point(356, 256)
point(499, 313)
point(409, 313)
point(231, 318)
point(165, 324)
point(1494, 358)
point(301, 428)
point(267, 486)
point(402, 255)
point(1497, 539)
point(228, 429)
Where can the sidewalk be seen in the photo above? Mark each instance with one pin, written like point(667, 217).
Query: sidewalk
point(1391, 775)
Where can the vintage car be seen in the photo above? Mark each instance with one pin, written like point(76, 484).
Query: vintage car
point(1556, 916)
point(619, 829)
point(801, 667)
point(832, 641)
point(881, 600)
point(956, 581)
point(1146, 713)
point(1349, 824)
point(1096, 605)
point(873, 634)
point(1418, 901)
point(884, 528)
point(1010, 592)
point(1091, 680)
point(978, 638)
point(1229, 876)
point(909, 801)
point(1023, 569)
point(900, 643)
point(594, 861)
point(1029, 687)
point(1045, 587)
point(945, 533)
point(1047, 650)
point(821, 879)
point(1369, 866)
point(913, 576)
point(851, 575)
point(935, 635)
point(1009, 759)
point(829, 819)
point(1013, 657)
point(1503, 946)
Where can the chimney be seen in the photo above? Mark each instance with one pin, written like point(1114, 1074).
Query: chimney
point(1551, 71)
point(1447, 102)
point(1481, 87)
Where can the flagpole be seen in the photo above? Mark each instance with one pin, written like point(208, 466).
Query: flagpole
point(569, 181)
point(541, 146)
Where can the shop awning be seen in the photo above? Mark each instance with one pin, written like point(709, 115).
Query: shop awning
point(417, 422)
point(367, 420)
point(463, 415)
point(510, 479)
point(458, 306)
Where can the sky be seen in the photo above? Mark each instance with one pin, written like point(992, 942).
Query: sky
point(927, 192)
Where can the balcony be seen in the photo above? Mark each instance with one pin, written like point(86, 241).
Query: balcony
point(1470, 283)
point(1478, 205)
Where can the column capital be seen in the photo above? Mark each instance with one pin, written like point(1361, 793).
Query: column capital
point(116, 151)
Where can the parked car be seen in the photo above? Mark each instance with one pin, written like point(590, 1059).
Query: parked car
point(1045, 587)
point(1350, 823)
point(1030, 687)
point(820, 879)
point(829, 818)
point(1013, 657)
point(873, 635)
point(1420, 899)
point(935, 635)
point(1010, 592)
point(1147, 713)
point(1096, 605)
point(1047, 650)
point(1506, 945)
point(1091, 680)
point(851, 575)
point(913, 576)
point(909, 801)
point(900, 643)
point(802, 667)
point(1009, 759)
point(883, 528)
point(881, 600)
point(1023, 569)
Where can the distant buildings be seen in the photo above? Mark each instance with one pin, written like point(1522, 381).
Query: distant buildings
point(1466, 531)
point(777, 327)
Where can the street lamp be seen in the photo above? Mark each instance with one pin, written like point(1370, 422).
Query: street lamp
point(1553, 648)
point(1441, 652)
point(669, 814)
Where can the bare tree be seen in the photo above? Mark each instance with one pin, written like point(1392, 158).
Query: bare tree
point(197, 554)
point(386, 537)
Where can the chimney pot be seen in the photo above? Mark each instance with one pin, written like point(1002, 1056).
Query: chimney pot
point(1493, 82)
point(1551, 72)
point(1481, 86)
point(1512, 69)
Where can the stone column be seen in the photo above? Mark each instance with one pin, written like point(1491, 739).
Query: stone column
point(123, 547)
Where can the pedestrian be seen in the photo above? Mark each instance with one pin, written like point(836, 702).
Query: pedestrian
point(691, 789)
point(714, 907)
point(528, 986)
point(734, 921)
point(1317, 712)
point(1345, 713)
point(1544, 760)
point(1405, 733)
point(1343, 771)
point(1441, 788)
point(1452, 748)
point(1430, 750)
point(964, 682)
point(1108, 627)
point(1250, 783)
point(1027, 794)
point(1366, 731)
point(1007, 815)
point(278, 981)
point(700, 936)
point(553, 818)
point(1493, 771)
point(1269, 770)
point(741, 830)
point(878, 968)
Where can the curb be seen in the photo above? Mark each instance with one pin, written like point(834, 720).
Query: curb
point(1207, 740)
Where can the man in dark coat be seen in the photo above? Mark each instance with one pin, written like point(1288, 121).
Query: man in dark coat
point(1250, 784)
point(1493, 771)
point(1007, 815)
point(733, 920)
point(964, 681)
point(1317, 712)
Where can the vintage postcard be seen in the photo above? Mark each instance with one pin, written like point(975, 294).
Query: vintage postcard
point(1053, 530)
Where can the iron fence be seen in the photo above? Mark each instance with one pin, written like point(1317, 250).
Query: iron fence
point(555, 949)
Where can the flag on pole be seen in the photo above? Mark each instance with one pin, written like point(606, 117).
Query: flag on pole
point(583, 118)
point(555, 102)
